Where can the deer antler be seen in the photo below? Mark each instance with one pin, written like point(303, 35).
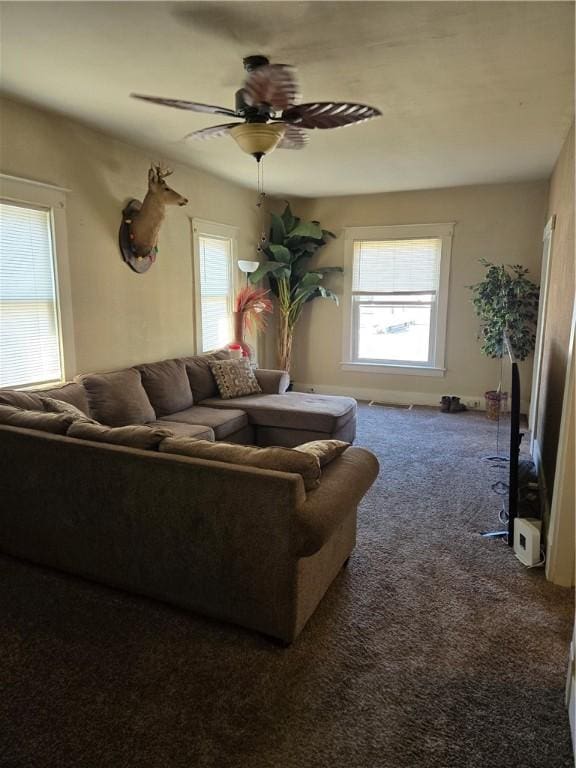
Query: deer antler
point(162, 173)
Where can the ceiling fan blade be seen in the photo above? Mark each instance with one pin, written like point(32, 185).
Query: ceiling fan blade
point(329, 114)
point(212, 132)
point(273, 84)
point(194, 106)
point(294, 137)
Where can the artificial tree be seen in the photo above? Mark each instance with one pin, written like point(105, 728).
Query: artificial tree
point(506, 301)
point(291, 244)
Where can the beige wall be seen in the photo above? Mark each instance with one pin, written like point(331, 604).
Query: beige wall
point(557, 322)
point(123, 318)
point(120, 317)
point(502, 223)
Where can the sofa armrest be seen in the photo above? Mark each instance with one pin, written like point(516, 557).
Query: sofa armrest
point(344, 483)
point(272, 382)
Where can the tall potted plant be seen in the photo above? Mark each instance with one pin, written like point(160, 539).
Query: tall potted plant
point(291, 244)
point(506, 301)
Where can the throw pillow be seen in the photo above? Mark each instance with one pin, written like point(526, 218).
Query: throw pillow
point(235, 378)
point(133, 436)
point(167, 386)
point(118, 398)
point(325, 450)
point(56, 423)
point(52, 405)
point(279, 459)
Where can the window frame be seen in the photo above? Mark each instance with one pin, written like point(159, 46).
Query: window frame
point(40, 195)
point(205, 228)
point(439, 309)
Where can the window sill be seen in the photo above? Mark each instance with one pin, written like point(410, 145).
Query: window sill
point(403, 370)
point(37, 387)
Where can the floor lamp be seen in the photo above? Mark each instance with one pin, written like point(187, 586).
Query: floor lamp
point(248, 267)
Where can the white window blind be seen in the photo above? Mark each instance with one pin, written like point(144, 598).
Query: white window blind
point(396, 298)
point(215, 271)
point(397, 266)
point(30, 350)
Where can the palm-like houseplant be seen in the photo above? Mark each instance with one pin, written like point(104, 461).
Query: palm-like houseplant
point(291, 244)
point(506, 301)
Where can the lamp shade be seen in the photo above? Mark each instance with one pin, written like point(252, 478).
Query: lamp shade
point(248, 266)
point(257, 139)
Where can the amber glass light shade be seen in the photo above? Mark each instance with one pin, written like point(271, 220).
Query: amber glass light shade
point(257, 139)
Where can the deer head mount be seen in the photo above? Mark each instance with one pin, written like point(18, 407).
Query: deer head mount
point(141, 221)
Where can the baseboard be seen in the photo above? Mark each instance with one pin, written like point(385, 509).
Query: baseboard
point(392, 396)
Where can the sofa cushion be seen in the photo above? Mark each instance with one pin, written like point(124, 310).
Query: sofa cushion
point(279, 459)
point(57, 423)
point(294, 410)
point(202, 381)
point(133, 436)
point(52, 405)
point(118, 398)
point(72, 393)
point(325, 450)
point(167, 386)
point(223, 422)
point(181, 429)
point(30, 401)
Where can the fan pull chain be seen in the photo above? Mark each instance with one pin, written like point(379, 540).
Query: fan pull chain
point(260, 205)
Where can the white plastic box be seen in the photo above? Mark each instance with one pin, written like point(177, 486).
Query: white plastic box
point(527, 540)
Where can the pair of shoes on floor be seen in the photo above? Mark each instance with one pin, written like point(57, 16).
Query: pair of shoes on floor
point(451, 405)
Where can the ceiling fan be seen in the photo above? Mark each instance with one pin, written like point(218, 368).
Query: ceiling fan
point(268, 104)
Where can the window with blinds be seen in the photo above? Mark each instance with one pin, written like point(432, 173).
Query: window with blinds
point(215, 290)
point(394, 300)
point(30, 344)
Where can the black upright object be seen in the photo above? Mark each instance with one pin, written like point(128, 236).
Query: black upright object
point(515, 440)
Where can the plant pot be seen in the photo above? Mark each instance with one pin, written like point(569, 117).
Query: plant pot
point(496, 403)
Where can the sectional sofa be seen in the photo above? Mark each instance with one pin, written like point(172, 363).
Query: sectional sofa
point(245, 537)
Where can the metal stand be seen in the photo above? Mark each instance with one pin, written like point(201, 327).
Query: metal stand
point(494, 534)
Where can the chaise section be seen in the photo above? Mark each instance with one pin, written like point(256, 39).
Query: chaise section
point(295, 417)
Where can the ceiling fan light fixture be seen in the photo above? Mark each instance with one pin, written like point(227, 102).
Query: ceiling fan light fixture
point(257, 139)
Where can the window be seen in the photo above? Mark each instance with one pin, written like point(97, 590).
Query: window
point(36, 338)
point(396, 298)
point(214, 260)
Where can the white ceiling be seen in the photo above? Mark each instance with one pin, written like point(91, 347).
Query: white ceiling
point(471, 92)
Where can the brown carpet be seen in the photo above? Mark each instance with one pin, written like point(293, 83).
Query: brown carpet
point(434, 649)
